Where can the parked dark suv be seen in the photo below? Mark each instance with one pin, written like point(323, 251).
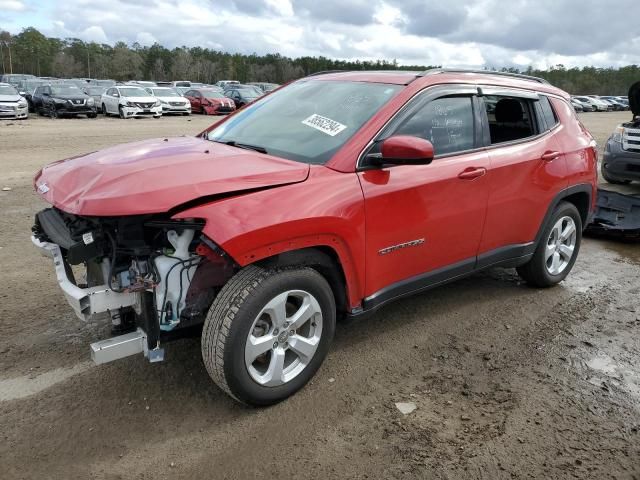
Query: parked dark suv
point(59, 100)
point(621, 162)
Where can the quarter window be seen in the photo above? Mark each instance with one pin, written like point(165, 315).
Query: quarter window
point(510, 118)
point(447, 122)
point(548, 114)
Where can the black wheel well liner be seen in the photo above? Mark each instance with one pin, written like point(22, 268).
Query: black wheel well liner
point(321, 258)
point(578, 195)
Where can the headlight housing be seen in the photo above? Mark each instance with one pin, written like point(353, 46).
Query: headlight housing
point(130, 104)
point(59, 101)
point(617, 134)
point(22, 104)
point(157, 104)
point(91, 102)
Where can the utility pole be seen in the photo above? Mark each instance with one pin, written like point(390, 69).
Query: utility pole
point(88, 64)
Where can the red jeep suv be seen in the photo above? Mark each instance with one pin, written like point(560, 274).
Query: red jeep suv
point(326, 198)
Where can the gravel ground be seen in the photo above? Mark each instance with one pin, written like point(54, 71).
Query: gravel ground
point(508, 381)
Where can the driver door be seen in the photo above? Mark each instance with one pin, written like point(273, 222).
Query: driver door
point(424, 222)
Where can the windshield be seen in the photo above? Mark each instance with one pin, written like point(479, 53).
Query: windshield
point(65, 90)
point(212, 94)
point(8, 90)
point(307, 121)
point(133, 92)
point(95, 90)
point(165, 92)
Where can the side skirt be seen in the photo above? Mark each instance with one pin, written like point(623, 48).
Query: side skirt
point(509, 256)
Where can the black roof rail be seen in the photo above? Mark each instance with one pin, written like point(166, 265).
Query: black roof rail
point(434, 71)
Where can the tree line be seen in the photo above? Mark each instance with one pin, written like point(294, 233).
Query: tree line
point(32, 52)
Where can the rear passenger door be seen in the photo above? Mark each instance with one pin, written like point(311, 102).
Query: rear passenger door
point(424, 222)
point(527, 170)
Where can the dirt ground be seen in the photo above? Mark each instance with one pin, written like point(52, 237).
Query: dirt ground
point(509, 381)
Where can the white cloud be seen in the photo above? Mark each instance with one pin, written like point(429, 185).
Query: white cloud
point(12, 6)
point(426, 32)
point(94, 34)
point(145, 39)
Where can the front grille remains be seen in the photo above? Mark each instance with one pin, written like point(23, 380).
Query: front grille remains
point(631, 139)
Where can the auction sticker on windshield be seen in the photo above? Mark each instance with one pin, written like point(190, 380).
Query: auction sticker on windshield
point(324, 124)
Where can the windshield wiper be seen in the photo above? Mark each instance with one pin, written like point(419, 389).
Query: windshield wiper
point(246, 146)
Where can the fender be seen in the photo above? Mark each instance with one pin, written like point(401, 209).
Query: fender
point(326, 210)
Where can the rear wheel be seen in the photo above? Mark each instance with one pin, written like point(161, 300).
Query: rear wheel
point(268, 332)
point(557, 250)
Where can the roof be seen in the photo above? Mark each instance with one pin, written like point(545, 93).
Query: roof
point(440, 76)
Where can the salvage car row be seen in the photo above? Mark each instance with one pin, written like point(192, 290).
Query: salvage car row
point(73, 97)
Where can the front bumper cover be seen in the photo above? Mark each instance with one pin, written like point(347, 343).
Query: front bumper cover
point(620, 164)
point(89, 301)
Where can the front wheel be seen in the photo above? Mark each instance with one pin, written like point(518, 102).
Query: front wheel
point(268, 332)
point(121, 112)
point(557, 249)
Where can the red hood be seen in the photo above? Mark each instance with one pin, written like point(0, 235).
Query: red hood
point(154, 176)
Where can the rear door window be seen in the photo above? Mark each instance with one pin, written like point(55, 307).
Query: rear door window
point(510, 118)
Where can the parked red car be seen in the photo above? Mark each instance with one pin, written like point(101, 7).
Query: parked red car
point(327, 198)
point(209, 101)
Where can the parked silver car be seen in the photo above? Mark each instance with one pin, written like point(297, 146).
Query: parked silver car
point(172, 101)
point(12, 104)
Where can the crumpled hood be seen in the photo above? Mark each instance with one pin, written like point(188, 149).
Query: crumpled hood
point(154, 176)
point(634, 99)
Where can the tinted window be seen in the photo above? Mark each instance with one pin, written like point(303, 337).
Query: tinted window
point(548, 114)
point(446, 122)
point(510, 118)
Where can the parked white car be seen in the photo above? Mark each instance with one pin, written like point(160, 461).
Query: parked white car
point(12, 104)
point(172, 101)
point(129, 101)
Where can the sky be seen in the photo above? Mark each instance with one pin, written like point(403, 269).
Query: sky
point(451, 33)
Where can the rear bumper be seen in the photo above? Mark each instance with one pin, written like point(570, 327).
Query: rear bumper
point(86, 302)
point(621, 164)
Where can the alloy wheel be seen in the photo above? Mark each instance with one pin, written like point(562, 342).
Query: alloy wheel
point(561, 245)
point(283, 338)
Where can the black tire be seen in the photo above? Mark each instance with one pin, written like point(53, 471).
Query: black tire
point(535, 272)
point(120, 111)
point(232, 315)
point(104, 110)
point(54, 112)
point(92, 115)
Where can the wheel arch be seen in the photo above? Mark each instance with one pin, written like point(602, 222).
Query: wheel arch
point(321, 258)
point(581, 196)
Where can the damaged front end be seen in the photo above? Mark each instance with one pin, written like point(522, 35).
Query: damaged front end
point(616, 216)
point(154, 277)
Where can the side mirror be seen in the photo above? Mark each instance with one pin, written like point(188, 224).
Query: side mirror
point(22, 94)
point(405, 150)
point(116, 94)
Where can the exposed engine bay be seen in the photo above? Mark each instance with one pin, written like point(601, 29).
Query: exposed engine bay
point(153, 276)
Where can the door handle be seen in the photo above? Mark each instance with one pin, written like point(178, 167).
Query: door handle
point(472, 172)
point(550, 155)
